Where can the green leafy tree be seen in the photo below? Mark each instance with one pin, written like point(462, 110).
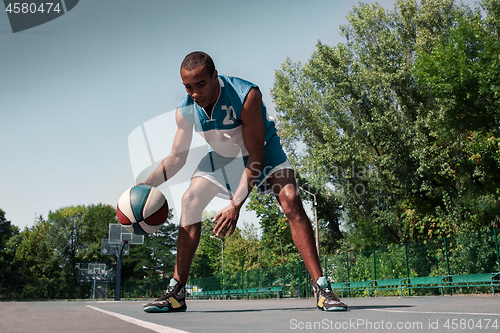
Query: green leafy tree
point(208, 259)
point(460, 71)
point(96, 220)
point(367, 115)
point(276, 245)
point(153, 260)
point(41, 267)
point(66, 231)
point(75, 235)
point(7, 266)
point(240, 250)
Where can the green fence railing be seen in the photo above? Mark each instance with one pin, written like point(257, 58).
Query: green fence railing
point(472, 253)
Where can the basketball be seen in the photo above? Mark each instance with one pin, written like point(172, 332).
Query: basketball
point(142, 209)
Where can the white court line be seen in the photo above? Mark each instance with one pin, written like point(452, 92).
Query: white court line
point(446, 313)
point(138, 322)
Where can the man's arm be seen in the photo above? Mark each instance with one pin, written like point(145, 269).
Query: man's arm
point(253, 137)
point(178, 155)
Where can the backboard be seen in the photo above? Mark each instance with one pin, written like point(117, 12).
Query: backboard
point(118, 234)
point(110, 249)
point(90, 272)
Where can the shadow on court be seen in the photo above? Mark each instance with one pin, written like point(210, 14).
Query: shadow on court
point(413, 314)
point(351, 308)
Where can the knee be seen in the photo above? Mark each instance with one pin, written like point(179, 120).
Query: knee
point(289, 199)
point(192, 199)
point(191, 207)
point(188, 198)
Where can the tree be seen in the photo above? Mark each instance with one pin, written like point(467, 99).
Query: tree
point(365, 115)
point(154, 258)
point(75, 234)
point(461, 75)
point(241, 250)
point(66, 228)
point(207, 260)
point(95, 227)
point(41, 267)
point(276, 246)
point(7, 269)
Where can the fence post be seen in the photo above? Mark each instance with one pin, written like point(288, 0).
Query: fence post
point(447, 261)
point(283, 276)
point(299, 271)
point(496, 247)
point(446, 256)
point(326, 269)
point(242, 272)
point(374, 266)
point(407, 267)
point(347, 265)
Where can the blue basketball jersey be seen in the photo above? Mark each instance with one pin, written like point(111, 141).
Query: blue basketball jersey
point(222, 130)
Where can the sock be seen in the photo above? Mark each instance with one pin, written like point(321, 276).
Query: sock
point(322, 282)
point(173, 282)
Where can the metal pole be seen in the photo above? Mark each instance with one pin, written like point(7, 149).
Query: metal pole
point(93, 291)
point(119, 270)
point(118, 276)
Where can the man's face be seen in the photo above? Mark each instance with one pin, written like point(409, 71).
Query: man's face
point(201, 86)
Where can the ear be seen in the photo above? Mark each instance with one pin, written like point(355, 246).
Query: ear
point(215, 75)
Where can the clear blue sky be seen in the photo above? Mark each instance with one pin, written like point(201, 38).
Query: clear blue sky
point(73, 89)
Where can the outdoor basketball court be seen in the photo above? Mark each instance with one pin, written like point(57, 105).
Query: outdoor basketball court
point(415, 314)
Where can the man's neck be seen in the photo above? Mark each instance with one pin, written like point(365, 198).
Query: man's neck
point(210, 107)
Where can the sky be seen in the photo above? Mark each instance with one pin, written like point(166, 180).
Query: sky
point(73, 90)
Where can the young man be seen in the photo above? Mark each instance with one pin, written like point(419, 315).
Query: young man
point(245, 151)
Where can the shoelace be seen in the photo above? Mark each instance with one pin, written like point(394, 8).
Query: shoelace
point(328, 294)
point(168, 293)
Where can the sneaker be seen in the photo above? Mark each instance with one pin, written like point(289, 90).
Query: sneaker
point(173, 300)
point(326, 300)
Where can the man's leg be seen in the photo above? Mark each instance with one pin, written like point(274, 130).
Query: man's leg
point(284, 187)
point(199, 194)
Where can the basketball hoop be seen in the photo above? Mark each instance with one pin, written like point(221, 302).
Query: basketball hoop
point(118, 244)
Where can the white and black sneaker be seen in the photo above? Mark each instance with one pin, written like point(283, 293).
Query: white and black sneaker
point(326, 300)
point(173, 300)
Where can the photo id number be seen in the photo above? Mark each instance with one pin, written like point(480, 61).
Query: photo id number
point(32, 8)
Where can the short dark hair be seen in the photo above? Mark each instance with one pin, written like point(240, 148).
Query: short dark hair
point(197, 58)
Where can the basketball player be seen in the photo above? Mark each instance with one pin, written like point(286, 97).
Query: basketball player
point(245, 152)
